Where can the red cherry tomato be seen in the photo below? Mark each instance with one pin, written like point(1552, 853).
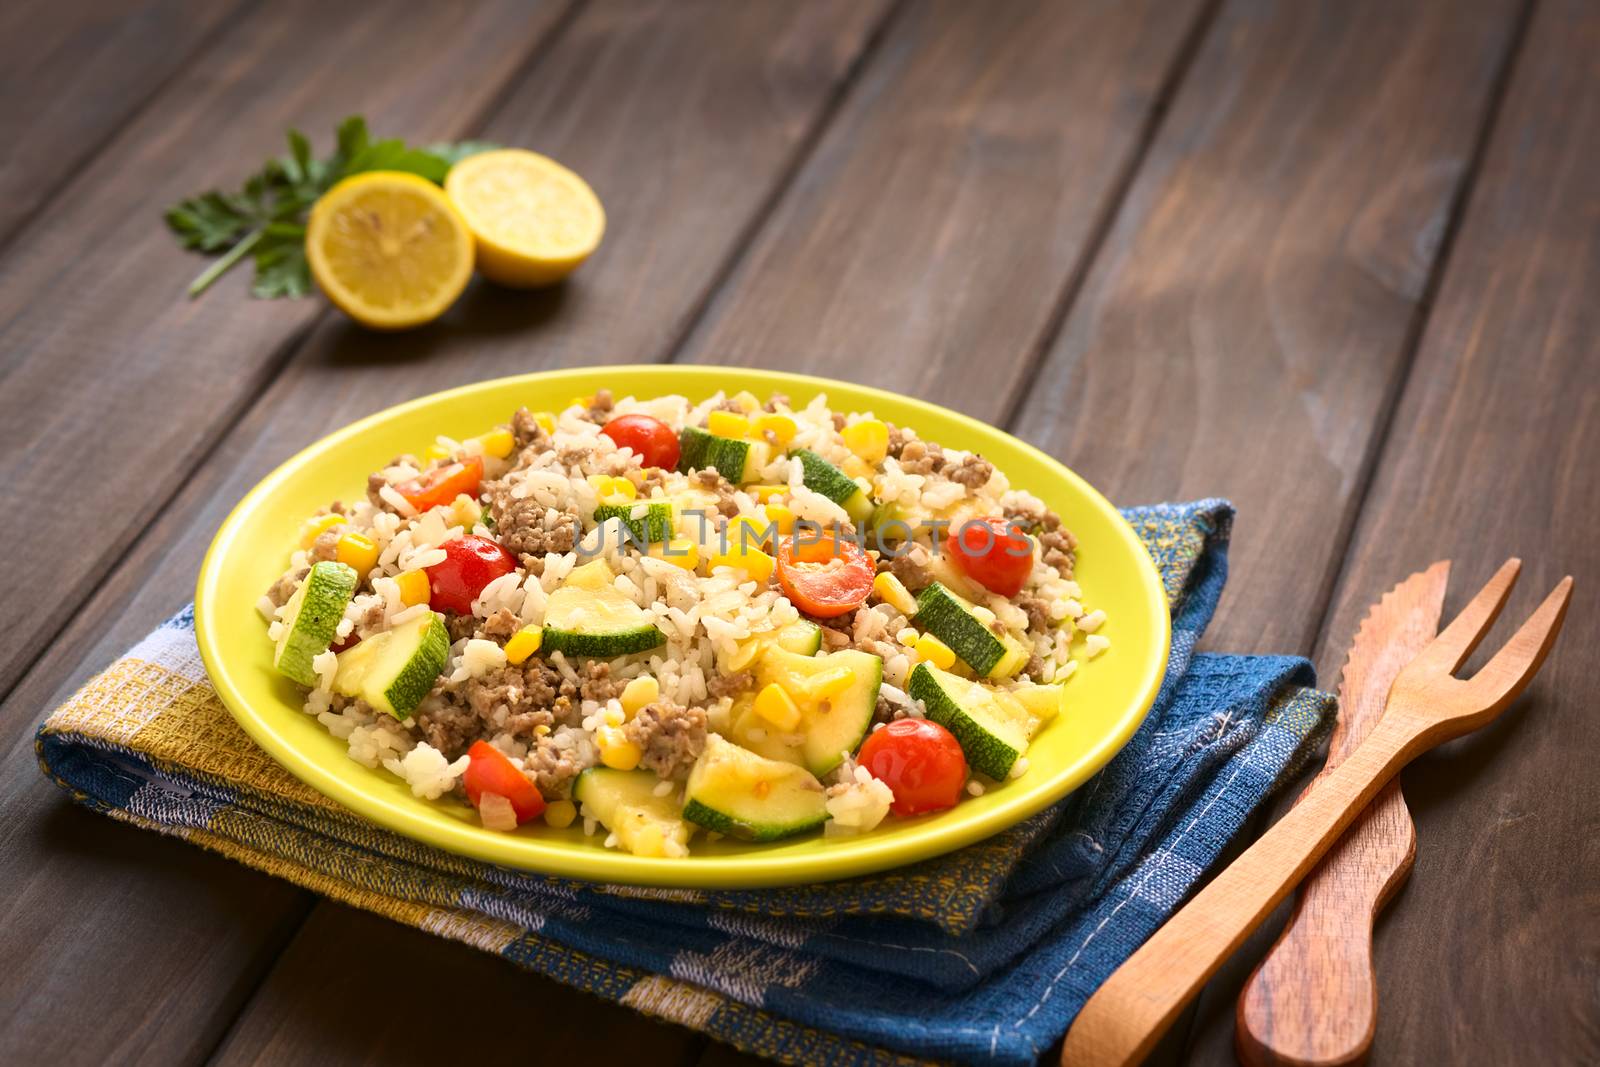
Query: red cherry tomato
point(825, 578)
point(920, 761)
point(993, 552)
point(651, 439)
point(441, 485)
point(470, 563)
point(491, 771)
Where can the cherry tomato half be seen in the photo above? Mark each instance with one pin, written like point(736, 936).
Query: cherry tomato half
point(825, 578)
point(920, 761)
point(992, 552)
point(470, 563)
point(651, 439)
point(491, 771)
point(441, 485)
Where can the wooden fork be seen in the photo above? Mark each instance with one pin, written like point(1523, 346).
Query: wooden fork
point(1127, 1015)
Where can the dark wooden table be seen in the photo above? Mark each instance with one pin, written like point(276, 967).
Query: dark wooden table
point(1338, 261)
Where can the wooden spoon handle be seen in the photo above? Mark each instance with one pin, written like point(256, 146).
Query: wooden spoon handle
point(1126, 1016)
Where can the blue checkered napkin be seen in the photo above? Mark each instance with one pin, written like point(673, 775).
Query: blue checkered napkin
point(983, 955)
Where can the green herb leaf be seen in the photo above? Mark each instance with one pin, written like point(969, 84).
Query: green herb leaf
point(266, 219)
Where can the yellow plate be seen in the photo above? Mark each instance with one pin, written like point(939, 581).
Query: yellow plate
point(1109, 695)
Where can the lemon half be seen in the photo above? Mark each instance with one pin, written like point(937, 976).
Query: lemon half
point(389, 249)
point(534, 220)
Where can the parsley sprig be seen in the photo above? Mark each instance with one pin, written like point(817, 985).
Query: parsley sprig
point(266, 219)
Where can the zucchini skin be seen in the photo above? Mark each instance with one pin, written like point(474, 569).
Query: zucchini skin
point(720, 822)
point(654, 527)
point(602, 646)
point(823, 477)
point(985, 751)
point(946, 618)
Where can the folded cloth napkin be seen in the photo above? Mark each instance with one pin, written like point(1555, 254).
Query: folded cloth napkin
point(983, 955)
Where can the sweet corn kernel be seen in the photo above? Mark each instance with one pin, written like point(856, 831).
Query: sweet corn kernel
point(935, 652)
point(317, 525)
point(581, 401)
point(546, 421)
point(465, 511)
point(436, 451)
point(764, 493)
point(856, 468)
point(613, 717)
point(781, 427)
point(638, 693)
point(824, 685)
point(497, 443)
point(679, 551)
point(746, 530)
point(754, 562)
point(868, 439)
point(728, 424)
point(560, 814)
point(908, 637)
point(620, 490)
point(746, 400)
point(775, 705)
point(524, 643)
point(893, 592)
point(413, 587)
point(781, 517)
point(358, 551)
point(616, 751)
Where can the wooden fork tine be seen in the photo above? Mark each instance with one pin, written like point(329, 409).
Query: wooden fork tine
point(1455, 643)
point(1505, 676)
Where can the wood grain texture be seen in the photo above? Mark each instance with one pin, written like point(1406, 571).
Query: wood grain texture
point(72, 71)
point(925, 246)
point(1246, 323)
point(316, 1008)
point(99, 350)
point(614, 96)
point(1489, 954)
point(1314, 998)
point(1124, 1018)
point(1492, 950)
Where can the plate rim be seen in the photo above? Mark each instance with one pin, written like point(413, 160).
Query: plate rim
point(745, 870)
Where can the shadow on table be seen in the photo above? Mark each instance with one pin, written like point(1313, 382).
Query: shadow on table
point(484, 311)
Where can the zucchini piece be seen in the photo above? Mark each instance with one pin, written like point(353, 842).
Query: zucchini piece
point(311, 619)
point(650, 522)
point(829, 726)
point(992, 727)
point(823, 477)
point(738, 461)
point(802, 636)
point(395, 669)
point(736, 792)
point(625, 803)
point(955, 621)
point(589, 616)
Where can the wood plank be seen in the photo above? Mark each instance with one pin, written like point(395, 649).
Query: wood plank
point(615, 95)
point(71, 73)
point(1313, 137)
point(1249, 316)
point(311, 1012)
point(92, 296)
point(1487, 955)
point(926, 245)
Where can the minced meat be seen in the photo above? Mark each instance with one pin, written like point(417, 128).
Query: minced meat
point(527, 528)
point(599, 686)
point(460, 627)
point(921, 457)
point(525, 429)
point(712, 479)
point(727, 685)
point(973, 472)
point(600, 405)
point(501, 625)
point(1038, 613)
point(913, 565)
point(283, 588)
point(671, 737)
point(551, 768)
point(325, 546)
